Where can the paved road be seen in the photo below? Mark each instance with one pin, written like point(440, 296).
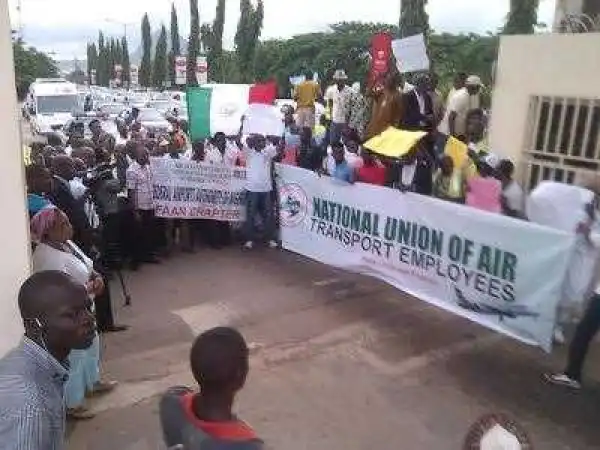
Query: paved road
point(341, 362)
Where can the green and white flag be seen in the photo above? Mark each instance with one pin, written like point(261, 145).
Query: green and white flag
point(220, 107)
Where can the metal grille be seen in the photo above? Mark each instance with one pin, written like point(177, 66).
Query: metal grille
point(563, 139)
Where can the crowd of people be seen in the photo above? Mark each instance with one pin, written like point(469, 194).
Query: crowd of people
point(92, 215)
point(336, 146)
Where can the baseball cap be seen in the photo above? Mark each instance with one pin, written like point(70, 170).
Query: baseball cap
point(474, 80)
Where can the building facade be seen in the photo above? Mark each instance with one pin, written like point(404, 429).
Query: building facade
point(546, 105)
point(14, 229)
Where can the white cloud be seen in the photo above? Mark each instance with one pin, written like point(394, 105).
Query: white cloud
point(47, 22)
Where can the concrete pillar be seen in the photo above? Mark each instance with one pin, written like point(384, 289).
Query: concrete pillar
point(14, 229)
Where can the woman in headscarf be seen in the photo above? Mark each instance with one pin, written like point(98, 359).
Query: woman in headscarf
point(39, 184)
point(51, 232)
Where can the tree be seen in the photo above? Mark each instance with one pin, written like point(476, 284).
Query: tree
point(102, 66)
point(111, 59)
point(92, 60)
point(175, 43)
point(211, 37)
point(522, 17)
point(160, 59)
point(29, 65)
point(126, 74)
point(146, 65)
point(246, 36)
point(346, 45)
point(194, 43)
point(413, 18)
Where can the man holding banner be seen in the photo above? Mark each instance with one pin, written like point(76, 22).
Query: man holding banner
point(259, 186)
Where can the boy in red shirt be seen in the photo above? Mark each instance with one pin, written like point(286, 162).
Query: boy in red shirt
point(204, 420)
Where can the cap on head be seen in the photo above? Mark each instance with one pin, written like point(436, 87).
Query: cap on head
point(219, 360)
point(474, 80)
point(340, 75)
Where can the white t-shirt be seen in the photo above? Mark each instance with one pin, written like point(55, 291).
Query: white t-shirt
point(48, 258)
point(229, 158)
point(460, 102)
point(258, 169)
point(340, 101)
point(514, 197)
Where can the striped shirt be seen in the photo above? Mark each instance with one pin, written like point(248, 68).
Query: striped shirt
point(32, 411)
point(139, 180)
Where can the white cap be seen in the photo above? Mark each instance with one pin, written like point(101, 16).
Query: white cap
point(474, 80)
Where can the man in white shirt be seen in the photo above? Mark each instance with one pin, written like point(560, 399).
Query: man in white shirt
point(459, 104)
point(139, 192)
point(259, 188)
point(220, 151)
point(338, 100)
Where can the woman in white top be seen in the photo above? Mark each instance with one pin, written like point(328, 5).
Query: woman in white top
point(51, 232)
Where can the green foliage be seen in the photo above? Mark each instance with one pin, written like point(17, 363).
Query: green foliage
point(246, 37)
point(346, 46)
point(146, 65)
point(522, 17)
point(175, 49)
point(160, 59)
point(92, 59)
point(29, 65)
point(211, 37)
point(193, 44)
point(126, 74)
point(102, 69)
point(413, 18)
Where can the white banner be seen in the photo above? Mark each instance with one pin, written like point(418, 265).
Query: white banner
point(202, 70)
point(134, 75)
point(500, 272)
point(186, 189)
point(180, 70)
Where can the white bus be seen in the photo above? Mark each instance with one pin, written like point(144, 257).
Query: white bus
point(51, 103)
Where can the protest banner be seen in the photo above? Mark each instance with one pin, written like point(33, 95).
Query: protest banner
point(180, 63)
point(411, 54)
point(185, 189)
point(500, 272)
point(380, 53)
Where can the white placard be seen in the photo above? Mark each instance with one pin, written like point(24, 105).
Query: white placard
point(411, 54)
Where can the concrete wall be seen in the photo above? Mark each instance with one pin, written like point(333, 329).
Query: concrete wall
point(544, 64)
point(14, 237)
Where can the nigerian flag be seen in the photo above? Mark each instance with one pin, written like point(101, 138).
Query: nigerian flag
point(220, 107)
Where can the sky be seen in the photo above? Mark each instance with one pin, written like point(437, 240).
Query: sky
point(63, 27)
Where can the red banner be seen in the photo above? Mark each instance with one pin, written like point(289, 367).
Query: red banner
point(381, 52)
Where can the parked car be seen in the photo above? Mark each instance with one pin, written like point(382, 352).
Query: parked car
point(153, 121)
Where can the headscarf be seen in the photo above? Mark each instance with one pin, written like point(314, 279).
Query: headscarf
point(43, 222)
point(35, 203)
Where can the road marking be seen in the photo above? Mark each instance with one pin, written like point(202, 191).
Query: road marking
point(206, 316)
point(420, 362)
point(326, 282)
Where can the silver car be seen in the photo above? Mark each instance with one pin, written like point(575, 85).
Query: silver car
point(153, 121)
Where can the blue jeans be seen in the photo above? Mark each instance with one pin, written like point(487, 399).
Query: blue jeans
point(261, 204)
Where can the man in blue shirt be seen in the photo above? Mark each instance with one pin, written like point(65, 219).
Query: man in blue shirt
point(57, 319)
point(342, 170)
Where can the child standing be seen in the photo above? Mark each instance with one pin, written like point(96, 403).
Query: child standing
point(202, 420)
